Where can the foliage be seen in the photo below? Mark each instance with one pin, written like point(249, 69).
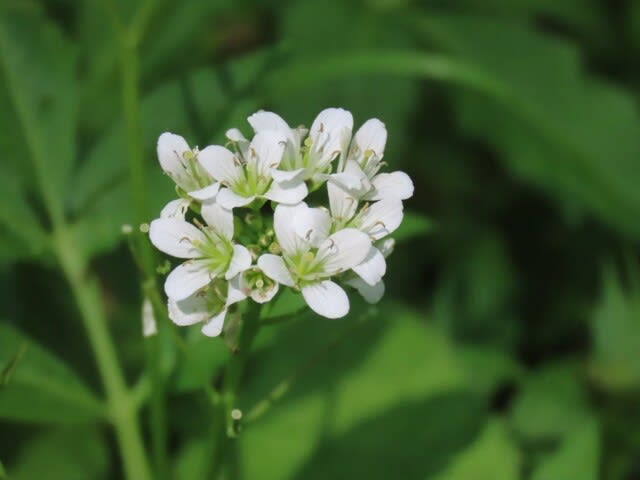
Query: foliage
point(508, 343)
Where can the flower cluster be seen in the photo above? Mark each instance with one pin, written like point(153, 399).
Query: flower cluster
point(245, 225)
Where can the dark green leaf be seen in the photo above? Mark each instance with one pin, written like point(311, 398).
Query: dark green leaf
point(40, 388)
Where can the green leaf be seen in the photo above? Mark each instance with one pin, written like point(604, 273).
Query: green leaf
point(37, 387)
point(578, 456)
point(492, 456)
point(68, 453)
point(549, 119)
point(551, 404)
point(38, 65)
point(616, 334)
point(394, 368)
point(3, 472)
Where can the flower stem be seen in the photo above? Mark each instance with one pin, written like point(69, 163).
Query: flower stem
point(225, 427)
point(121, 409)
point(138, 186)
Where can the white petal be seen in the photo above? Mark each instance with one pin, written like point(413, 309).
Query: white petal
point(313, 224)
point(371, 294)
point(264, 296)
point(149, 324)
point(327, 299)
point(229, 199)
point(373, 267)
point(284, 219)
point(262, 120)
point(187, 278)
point(235, 290)
point(343, 250)
point(175, 209)
point(288, 176)
point(289, 195)
point(240, 261)
point(372, 135)
point(176, 237)
point(386, 246)
point(330, 132)
point(352, 179)
point(213, 327)
point(205, 193)
point(218, 218)
point(221, 164)
point(170, 148)
point(188, 311)
point(235, 135)
point(273, 266)
point(265, 151)
point(343, 205)
point(396, 185)
point(381, 218)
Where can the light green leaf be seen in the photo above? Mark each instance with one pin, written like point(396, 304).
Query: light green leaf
point(392, 371)
point(578, 456)
point(69, 454)
point(38, 387)
point(38, 65)
point(616, 334)
point(551, 404)
point(492, 456)
point(3, 473)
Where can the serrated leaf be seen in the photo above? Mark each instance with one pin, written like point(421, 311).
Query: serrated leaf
point(492, 456)
point(40, 388)
point(391, 362)
point(551, 403)
point(578, 456)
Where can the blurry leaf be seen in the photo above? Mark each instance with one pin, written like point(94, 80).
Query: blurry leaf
point(492, 456)
point(578, 456)
point(388, 368)
point(3, 473)
point(487, 368)
point(38, 64)
point(287, 302)
point(551, 404)
point(413, 225)
point(40, 387)
point(417, 438)
point(558, 128)
point(69, 454)
point(616, 335)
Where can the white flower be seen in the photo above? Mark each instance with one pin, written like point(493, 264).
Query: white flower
point(182, 164)
point(208, 306)
point(359, 172)
point(372, 292)
point(328, 139)
point(249, 176)
point(209, 250)
point(310, 257)
point(377, 220)
point(149, 324)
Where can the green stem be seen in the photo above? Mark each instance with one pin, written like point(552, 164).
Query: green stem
point(122, 412)
point(138, 186)
point(224, 427)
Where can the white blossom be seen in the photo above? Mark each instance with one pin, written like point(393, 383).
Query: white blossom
point(310, 257)
point(247, 176)
point(209, 250)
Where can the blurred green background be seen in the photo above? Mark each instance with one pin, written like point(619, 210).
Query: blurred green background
point(508, 344)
